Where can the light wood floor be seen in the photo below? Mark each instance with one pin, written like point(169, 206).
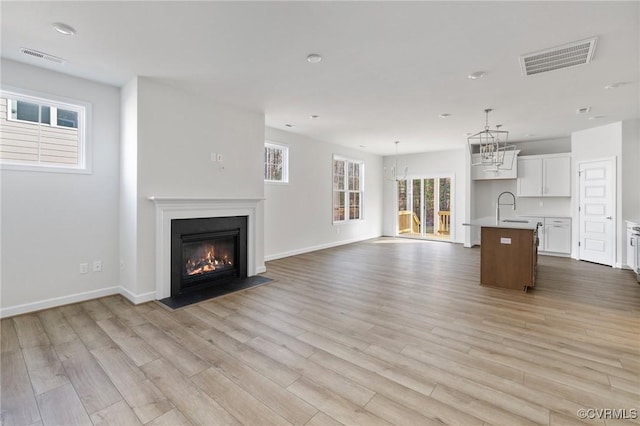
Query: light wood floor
point(384, 331)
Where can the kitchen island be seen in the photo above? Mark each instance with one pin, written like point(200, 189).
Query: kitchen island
point(508, 252)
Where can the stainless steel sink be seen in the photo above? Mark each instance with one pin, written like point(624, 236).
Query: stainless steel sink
point(514, 221)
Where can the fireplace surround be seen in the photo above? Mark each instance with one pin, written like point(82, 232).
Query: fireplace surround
point(169, 208)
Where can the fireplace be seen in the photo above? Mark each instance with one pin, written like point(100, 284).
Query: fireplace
point(206, 252)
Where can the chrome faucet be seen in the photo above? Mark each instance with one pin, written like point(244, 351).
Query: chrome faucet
point(498, 204)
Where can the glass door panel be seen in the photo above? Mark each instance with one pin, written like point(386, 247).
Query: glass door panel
point(416, 206)
point(424, 206)
point(428, 197)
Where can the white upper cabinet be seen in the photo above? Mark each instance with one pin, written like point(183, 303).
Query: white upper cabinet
point(529, 177)
point(544, 176)
point(556, 180)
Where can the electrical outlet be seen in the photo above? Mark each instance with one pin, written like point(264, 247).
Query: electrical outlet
point(219, 158)
point(97, 266)
point(213, 157)
point(84, 268)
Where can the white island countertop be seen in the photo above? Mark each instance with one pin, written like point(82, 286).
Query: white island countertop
point(507, 222)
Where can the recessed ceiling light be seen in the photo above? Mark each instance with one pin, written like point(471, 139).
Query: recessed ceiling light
point(444, 115)
point(476, 75)
point(314, 58)
point(595, 117)
point(314, 116)
point(583, 110)
point(64, 29)
point(289, 125)
point(362, 146)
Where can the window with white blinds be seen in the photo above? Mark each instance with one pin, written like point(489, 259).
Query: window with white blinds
point(37, 133)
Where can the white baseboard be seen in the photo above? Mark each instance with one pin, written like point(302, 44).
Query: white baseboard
point(550, 253)
point(58, 301)
point(137, 299)
point(315, 248)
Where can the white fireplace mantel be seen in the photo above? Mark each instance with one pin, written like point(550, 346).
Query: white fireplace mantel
point(169, 208)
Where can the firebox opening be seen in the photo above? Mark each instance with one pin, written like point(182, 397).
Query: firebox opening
point(209, 256)
point(207, 252)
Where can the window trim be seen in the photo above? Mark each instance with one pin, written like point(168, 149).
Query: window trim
point(285, 162)
point(346, 189)
point(85, 141)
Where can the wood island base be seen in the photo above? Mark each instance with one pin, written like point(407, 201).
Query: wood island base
point(508, 258)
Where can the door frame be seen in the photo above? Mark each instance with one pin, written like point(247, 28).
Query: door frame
point(452, 203)
point(614, 213)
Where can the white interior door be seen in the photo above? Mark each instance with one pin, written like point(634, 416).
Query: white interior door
point(596, 212)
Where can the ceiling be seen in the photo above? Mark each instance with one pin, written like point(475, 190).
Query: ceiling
point(388, 68)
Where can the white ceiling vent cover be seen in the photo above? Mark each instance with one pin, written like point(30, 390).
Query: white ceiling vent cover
point(565, 56)
point(41, 55)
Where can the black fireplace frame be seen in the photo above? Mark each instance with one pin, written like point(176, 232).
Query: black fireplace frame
point(206, 229)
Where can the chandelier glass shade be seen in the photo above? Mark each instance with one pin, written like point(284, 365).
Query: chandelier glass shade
point(489, 148)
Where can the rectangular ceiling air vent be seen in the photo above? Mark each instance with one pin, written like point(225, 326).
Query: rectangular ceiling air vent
point(41, 55)
point(565, 56)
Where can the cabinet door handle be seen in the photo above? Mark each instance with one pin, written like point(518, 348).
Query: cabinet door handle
point(608, 217)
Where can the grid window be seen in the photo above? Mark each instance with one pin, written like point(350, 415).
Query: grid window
point(42, 134)
point(348, 189)
point(276, 163)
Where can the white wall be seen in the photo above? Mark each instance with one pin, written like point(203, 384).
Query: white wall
point(129, 184)
point(630, 169)
point(298, 215)
point(596, 144)
point(176, 132)
point(52, 222)
point(630, 188)
point(438, 164)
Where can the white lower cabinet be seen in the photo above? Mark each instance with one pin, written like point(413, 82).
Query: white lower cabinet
point(554, 236)
point(557, 235)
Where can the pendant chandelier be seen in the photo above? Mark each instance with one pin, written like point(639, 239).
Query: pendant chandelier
point(392, 173)
point(488, 148)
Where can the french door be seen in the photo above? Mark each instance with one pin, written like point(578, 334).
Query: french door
point(424, 207)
